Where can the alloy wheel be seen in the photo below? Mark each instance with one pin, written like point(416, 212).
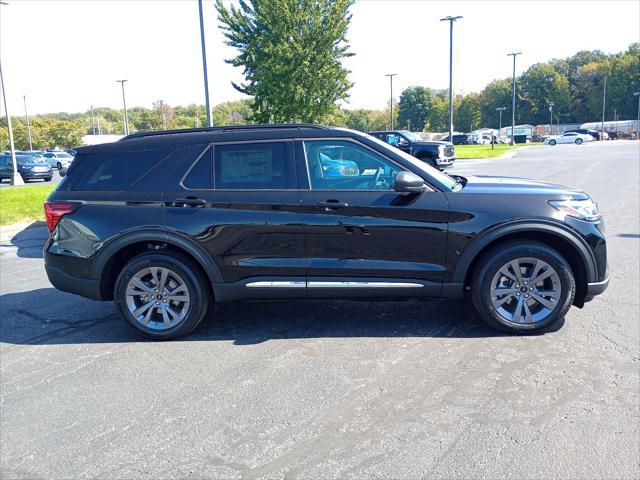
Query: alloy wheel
point(157, 298)
point(525, 290)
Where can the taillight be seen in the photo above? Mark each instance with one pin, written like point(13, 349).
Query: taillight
point(53, 212)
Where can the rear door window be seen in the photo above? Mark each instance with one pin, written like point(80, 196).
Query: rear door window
point(254, 166)
point(117, 170)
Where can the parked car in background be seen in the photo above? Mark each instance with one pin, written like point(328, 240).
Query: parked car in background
point(585, 131)
point(249, 213)
point(58, 159)
point(569, 137)
point(438, 154)
point(72, 152)
point(461, 139)
point(30, 167)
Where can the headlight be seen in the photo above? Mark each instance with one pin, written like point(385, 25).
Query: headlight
point(582, 209)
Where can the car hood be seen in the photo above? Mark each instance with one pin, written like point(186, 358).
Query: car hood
point(510, 185)
point(435, 142)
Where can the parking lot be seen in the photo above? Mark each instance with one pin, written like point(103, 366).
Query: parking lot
point(329, 389)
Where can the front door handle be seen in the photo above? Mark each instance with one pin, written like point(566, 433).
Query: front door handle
point(332, 204)
point(189, 202)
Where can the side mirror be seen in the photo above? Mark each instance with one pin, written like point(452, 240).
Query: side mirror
point(409, 182)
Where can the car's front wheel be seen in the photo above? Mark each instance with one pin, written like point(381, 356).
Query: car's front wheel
point(59, 166)
point(161, 295)
point(523, 286)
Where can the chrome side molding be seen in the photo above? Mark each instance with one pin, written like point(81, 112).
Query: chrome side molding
point(298, 284)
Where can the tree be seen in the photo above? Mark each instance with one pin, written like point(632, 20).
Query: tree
point(496, 95)
point(291, 52)
point(540, 85)
point(468, 116)
point(415, 107)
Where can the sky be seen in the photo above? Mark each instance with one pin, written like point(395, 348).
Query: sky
point(66, 55)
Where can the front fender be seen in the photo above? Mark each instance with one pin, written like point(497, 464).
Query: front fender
point(524, 226)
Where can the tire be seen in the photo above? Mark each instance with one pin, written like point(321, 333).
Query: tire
point(557, 289)
point(47, 179)
point(59, 166)
point(579, 141)
point(182, 316)
point(552, 142)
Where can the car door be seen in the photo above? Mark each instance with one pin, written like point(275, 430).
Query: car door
point(569, 137)
point(239, 201)
point(361, 234)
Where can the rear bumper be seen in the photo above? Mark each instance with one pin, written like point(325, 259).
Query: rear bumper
point(596, 288)
point(85, 287)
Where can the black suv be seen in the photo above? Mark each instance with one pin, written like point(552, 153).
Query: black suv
point(165, 223)
point(437, 154)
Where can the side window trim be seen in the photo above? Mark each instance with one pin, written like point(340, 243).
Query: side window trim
point(208, 150)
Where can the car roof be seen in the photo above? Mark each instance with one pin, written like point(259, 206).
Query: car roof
point(178, 138)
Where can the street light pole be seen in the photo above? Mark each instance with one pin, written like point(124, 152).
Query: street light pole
point(513, 101)
point(637, 94)
point(16, 179)
point(26, 114)
point(500, 109)
point(204, 65)
point(124, 102)
point(93, 121)
point(551, 117)
point(391, 75)
point(604, 103)
point(451, 19)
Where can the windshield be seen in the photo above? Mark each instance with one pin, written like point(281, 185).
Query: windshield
point(24, 160)
point(410, 136)
point(442, 179)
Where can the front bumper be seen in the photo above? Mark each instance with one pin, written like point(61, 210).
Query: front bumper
point(36, 175)
point(596, 288)
point(445, 162)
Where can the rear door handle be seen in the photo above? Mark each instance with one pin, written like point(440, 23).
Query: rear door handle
point(332, 204)
point(189, 202)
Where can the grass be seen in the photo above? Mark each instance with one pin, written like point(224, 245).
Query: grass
point(485, 151)
point(22, 204)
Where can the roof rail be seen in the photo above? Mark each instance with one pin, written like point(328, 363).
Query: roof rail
point(228, 128)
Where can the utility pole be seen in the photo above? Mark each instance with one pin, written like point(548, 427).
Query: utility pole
point(162, 116)
point(451, 19)
point(637, 94)
point(551, 117)
point(391, 75)
point(500, 109)
point(204, 65)
point(93, 121)
point(604, 103)
point(124, 102)
point(513, 101)
point(16, 179)
point(26, 114)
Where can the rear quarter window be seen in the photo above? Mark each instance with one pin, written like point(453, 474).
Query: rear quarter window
point(114, 171)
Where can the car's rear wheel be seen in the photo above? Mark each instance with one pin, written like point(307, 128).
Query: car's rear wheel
point(523, 286)
point(552, 142)
point(578, 141)
point(161, 295)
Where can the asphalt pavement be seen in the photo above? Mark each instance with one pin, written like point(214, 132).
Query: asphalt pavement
point(327, 389)
point(54, 181)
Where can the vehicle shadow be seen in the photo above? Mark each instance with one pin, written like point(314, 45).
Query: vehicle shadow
point(49, 317)
point(29, 241)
